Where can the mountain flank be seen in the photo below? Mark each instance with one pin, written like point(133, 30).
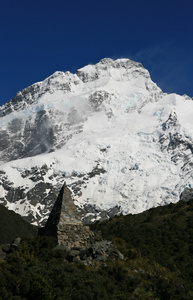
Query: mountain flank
point(12, 226)
point(158, 261)
point(163, 234)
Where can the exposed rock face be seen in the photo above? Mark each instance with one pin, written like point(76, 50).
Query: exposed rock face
point(12, 226)
point(186, 195)
point(65, 222)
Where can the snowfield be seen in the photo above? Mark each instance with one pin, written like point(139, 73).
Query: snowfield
point(108, 131)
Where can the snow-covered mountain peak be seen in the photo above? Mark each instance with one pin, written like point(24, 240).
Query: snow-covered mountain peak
point(109, 75)
point(108, 130)
point(59, 81)
point(119, 70)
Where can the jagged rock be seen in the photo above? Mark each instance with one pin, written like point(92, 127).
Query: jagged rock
point(96, 99)
point(172, 121)
point(186, 195)
point(72, 255)
point(15, 244)
point(101, 247)
point(117, 254)
point(94, 213)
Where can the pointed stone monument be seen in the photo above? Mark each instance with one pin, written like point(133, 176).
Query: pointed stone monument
point(65, 223)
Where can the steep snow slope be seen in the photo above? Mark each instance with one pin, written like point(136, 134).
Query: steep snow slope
point(108, 131)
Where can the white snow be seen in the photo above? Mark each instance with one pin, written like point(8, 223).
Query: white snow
point(138, 174)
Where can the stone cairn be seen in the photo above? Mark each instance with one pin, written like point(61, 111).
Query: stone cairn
point(79, 242)
point(65, 223)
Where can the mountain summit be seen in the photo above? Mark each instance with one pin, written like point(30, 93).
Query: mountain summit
point(120, 143)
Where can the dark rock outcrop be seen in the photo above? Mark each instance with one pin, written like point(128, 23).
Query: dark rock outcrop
point(187, 194)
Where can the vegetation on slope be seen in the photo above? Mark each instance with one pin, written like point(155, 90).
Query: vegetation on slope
point(158, 264)
point(12, 225)
point(162, 234)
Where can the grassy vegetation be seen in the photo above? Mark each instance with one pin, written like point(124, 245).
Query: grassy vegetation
point(158, 249)
point(163, 235)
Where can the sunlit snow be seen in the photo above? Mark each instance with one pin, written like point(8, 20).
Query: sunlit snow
point(120, 134)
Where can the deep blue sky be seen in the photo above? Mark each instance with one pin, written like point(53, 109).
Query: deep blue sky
point(38, 38)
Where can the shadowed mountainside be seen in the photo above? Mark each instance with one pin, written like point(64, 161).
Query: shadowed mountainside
point(12, 225)
point(158, 250)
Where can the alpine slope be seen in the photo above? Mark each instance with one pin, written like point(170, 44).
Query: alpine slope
point(108, 131)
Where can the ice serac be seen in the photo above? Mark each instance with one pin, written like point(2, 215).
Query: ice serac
point(120, 143)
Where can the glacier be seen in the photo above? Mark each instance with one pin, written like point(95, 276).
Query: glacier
point(108, 131)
